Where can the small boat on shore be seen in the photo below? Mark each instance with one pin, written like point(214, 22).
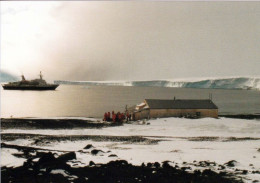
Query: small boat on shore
point(36, 84)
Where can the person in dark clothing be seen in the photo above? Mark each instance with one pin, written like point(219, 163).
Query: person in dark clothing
point(117, 115)
point(127, 117)
point(108, 116)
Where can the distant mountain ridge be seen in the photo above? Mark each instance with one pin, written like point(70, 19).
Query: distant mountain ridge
point(7, 77)
point(223, 83)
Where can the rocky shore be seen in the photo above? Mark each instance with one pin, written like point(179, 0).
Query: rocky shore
point(166, 150)
point(55, 123)
point(46, 166)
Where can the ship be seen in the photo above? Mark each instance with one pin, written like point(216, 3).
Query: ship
point(36, 84)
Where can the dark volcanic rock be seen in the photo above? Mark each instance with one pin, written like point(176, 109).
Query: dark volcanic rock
point(149, 165)
point(67, 156)
point(89, 146)
point(244, 172)
point(96, 151)
point(157, 165)
point(231, 163)
point(91, 163)
point(114, 171)
point(112, 155)
point(47, 158)
point(166, 164)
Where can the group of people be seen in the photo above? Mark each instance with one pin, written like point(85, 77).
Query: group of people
point(117, 117)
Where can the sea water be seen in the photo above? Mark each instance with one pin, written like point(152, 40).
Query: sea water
point(94, 101)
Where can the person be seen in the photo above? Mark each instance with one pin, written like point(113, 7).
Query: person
point(105, 117)
point(123, 116)
point(127, 116)
point(108, 116)
point(117, 115)
point(113, 116)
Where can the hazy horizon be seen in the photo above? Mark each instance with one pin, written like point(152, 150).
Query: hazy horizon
point(113, 40)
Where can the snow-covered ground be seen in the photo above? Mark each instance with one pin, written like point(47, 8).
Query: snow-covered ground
point(181, 140)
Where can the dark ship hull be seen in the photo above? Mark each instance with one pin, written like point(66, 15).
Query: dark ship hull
point(28, 87)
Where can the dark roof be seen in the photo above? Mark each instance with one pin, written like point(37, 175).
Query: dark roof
point(180, 104)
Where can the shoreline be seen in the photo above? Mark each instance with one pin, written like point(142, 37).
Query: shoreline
point(82, 122)
point(53, 123)
point(241, 116)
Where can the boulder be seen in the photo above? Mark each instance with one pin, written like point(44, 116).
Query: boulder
point(96, 151)
point(231, 163)
point(88, 146)
point(112, 155)
point(47, 158)
point(67, 156)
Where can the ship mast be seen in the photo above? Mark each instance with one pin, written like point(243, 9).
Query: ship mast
point(41, 75)
point(23, 78)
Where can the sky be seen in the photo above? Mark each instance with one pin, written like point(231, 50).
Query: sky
point(109, 40)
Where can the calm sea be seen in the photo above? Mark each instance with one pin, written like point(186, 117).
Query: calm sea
point(93, 101)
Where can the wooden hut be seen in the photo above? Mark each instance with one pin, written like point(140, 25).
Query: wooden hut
point(157, 108)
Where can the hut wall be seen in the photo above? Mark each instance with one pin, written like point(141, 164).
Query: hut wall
point(142, 114)
point(156, 113)
point(159, 113)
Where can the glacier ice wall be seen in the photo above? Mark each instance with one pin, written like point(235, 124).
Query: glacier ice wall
point(226, 83)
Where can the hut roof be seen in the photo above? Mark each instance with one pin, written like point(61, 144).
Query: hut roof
point(180, 104)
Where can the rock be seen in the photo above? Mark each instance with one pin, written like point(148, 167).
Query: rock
point(244, 172)
point(166, 164)
point(221, 167)
point(112, 155)
point(149, 165)
point(89, 146)
point(96, 151)
point(157, 165)
point(208, 172)
point(46, 158)
point(231, 163)
point(197, 172)
point(40, 154)
point(183, 168)
point(256, 172)
point(91, 163)
point(118, 163)
point(67, 156)
point(258, 150)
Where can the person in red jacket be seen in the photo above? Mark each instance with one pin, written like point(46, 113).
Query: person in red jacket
point(123, 116)
point(105, 117)
point(113, 116)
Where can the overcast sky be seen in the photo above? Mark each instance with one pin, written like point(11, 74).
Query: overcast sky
point(130, 40)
